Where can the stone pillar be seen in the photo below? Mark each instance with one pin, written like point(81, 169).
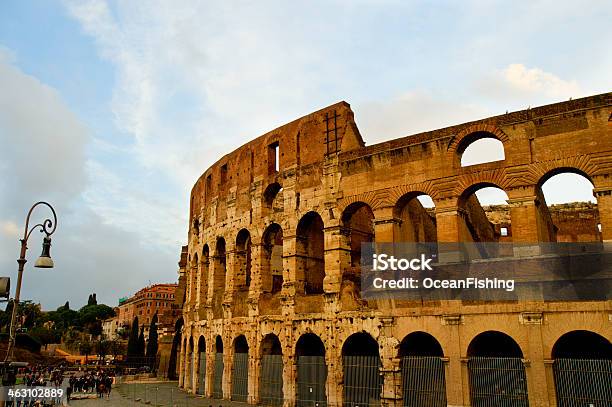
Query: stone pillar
point(187, 373)
point(289, 379)
point(335, 375)
point(182, 362)
point(391, 395)
point(337, 257)
point(254, 371)
point(194, 369)
point(290, 266)
point(457, 392)
point(534, 366)
point(604, 205)
point(257, 253)
point(228, 370)
point(385, 225)
point(210, 372)
point(228, 296)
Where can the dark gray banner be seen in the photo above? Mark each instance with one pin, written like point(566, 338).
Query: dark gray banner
point(487, 271)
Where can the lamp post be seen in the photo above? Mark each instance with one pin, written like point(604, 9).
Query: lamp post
point(44, 261)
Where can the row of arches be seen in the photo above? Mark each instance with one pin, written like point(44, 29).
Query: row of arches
point(416, 221)
point(495, 364)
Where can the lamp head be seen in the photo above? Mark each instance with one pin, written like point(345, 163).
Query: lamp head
point(45, 261)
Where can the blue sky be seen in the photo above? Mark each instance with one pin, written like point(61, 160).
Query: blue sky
point(111, 110)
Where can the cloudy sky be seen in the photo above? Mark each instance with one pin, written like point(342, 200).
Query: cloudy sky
point(111, 110)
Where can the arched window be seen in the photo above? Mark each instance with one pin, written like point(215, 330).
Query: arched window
point(240, 372)
point(272, 264)
point(361, 366)
point(271, 371)
point(310, 248)
point(311, 371)
point(479, 148)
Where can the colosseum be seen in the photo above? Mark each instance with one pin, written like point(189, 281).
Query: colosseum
point(273, 312)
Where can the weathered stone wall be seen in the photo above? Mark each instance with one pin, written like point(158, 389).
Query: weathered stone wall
point(326, 175)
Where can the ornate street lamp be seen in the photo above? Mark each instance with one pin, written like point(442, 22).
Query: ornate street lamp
point(44, 261)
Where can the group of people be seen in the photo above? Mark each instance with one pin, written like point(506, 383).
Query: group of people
point(99, 382)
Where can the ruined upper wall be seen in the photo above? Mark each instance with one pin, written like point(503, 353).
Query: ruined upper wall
point(301, 143)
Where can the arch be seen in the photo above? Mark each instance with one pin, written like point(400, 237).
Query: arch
point(242, 276)
point(273, 197)
point(219, 368)
point(421, 355)
point(310, 251)
point(480, 148)
point(553, 197)
point(240, 371)
point(201, 366)
point(271, 371)
point(272, 264)
point(582, 357)
point(420, 343)
point(358, 220)
point(309, 344)
point(204, 272)
point(175, 350)
point(416, 222)
point(469, 134)
point(311, 375)
point(494, 344)
point(582, 344)
point(193, 279)
point(361, 367)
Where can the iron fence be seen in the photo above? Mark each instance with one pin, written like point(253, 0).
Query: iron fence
point(497, 382)
point(271, 380)
point(311, 378)
point(202, 373)
point(217, 392)
point(240, 377)
point(362, 381)
point(583, 382)
point(423, 381)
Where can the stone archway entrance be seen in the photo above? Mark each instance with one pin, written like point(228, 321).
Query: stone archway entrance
point(271, 372)
point(311, 371)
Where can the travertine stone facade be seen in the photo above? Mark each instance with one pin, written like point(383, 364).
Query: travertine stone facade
point(275, 233)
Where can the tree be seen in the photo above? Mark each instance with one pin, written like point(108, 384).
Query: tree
point(152, 343)
point(103, 347)
point(132, 347)
point(117, 348)
point(92, 299)
point(85, 347)
point(141, 343)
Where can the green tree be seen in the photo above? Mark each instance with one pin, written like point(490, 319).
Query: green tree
point(152, 344)
point(117, 348)
point(132, 347)
point(141, 343)
point(103, 348)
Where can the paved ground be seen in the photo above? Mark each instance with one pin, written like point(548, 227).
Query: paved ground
point(154, 394)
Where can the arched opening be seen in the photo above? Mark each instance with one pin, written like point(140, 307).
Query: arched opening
point(567, 214)
point(582, 357)
point(416, 226)
point(219, 272)
point(217, 392)
point(201, 365)
point(273, 198)
point(479, 148)
point(271, 371)
point(496, 371)
point(485, 218)
point(311, 371)
point(240, 370)
point(242, 273)
point(423, 380)
point(176, 343)
point(310, 253)
point(358, 222)
point(204, 273)
point(272, 264)
point(361, 365)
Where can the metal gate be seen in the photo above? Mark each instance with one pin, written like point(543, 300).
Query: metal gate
point(240, 377)
point(423, 381)
point(362, 381)
point(271, 380)
point(202, 373)
point(497, 382)
point(583, 382)
point(311, 378)
point(217, 392)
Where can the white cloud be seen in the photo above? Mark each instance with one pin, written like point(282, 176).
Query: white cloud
point(519, 83)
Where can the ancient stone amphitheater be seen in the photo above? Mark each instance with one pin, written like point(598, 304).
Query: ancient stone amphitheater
point(273, 313)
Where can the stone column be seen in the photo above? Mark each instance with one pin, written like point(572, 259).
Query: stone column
point(535, 368)
point(289, 379)
point(604, 205)
point(457, 392)
point(187, 374)
point(182, 362)
point(194, 369)
point(257, 253)
point(210, 372)
point(254, 371)
point(391, 395)
point(228, 370)
point(290, 265)
point(335, 376)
